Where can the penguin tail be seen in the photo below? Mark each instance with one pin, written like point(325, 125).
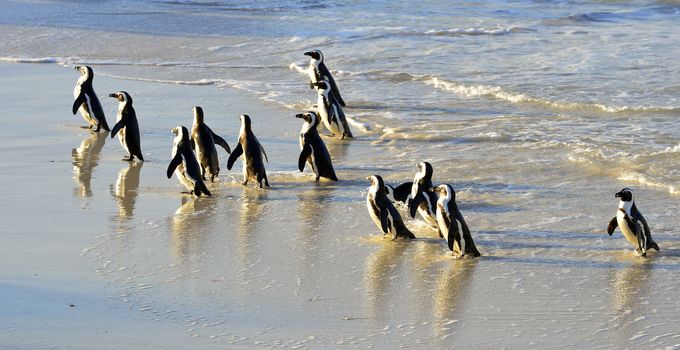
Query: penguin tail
point(653, 245)
point(200, 189)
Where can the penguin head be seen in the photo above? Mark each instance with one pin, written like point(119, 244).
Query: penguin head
point(245, 121)
point(122, 97)
point(376, 181)
point(198, 115)
point(315, 54)
point(424, 171)
point(445, 191)
point(85, 71)
point(625, 194)
point(309, 117)
point(181, 132)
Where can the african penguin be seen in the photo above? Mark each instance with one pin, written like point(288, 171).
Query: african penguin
point(252, 152)
point(422, 199)
point(383, 212)
point(127, 127)
point(632, 224)
point(184, 164)
point(331, 112)
point(318, 72)
point(86, 100)
point(448, 217)
point(203, 140)
point(313, 150)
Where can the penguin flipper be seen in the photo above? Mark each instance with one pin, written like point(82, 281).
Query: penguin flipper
point(470, 247)
point(263, 152)
point(402, 191)
point(304, 155)
point(415, 203)
point(384, 220)
point(78, 102)
point(221, 142)
point(640, 219)
point(234, 155)
point(613, 223)
point(324, 72)
point(117, 127)
point(174, 163)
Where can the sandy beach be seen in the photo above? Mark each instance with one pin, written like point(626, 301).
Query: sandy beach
point(99, 253)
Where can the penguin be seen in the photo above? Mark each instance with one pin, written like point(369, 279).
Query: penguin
point(87, 102)
point(127, 127)
point(383, 212)
point(448, 217)
point(331, 112)
point(318, 72)
point(313, 150)
point(185, 165)
point(203, 140)
point(632, 224)
point(252, 151)
point(422, 199)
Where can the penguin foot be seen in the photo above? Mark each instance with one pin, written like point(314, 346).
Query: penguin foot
point(89, 127)
point(128, 159)
point(244, 183)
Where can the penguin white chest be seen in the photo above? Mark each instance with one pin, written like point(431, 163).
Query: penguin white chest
point(627, 231)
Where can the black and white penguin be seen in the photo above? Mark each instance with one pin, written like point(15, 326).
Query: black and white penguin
point(331, 112)
point(184, 164)
point(448, 217)
point(318, 72)
point(383, 212)
point(203, 140)
point(422, 198)
point(252, 151)
point(313, 150)
point(632, 224)
point(86, 100)
point(127, 127)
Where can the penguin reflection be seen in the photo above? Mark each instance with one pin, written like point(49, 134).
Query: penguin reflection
point(84, 160)
point(314, 203)
point(189, 227)
point(452, 292)
point(629, 289)
point(251, 212)
point(125, 190)
point(380, 267)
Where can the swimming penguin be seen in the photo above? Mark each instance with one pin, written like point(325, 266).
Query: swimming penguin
point(632, 224)
point(383, 212)
point(448, 217)
point(313, 149)
point(127, 127)
point(422, 198)
point(184, 164)
point(318, 72)
point(331, 112)
point(87, 102)
point(203, 140)
point(252, 151)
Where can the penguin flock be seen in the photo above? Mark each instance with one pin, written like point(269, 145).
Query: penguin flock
point(194, 159)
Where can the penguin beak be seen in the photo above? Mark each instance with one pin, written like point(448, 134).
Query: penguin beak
point(174, 131)
point(299, 115)
point(308, 53)
point(77, 68)
point(618, 195)
point(112, 95)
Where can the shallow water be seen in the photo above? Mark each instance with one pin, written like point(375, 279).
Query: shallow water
point(535, 112)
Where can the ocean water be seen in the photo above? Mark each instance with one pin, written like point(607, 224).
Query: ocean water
point(536, 112)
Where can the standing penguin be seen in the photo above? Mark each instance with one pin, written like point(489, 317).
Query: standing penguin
point(632, 224)
point(86, 100)
point(184, 164)
point(383, 212)
point(252, 151)
point(127, 127)
point(448, 217)
point(422, 198)
point(318, 72)
point(331, 112)
point(203, 140)
point(313, 149)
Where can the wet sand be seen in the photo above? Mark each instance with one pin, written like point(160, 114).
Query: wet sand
point(296, 266)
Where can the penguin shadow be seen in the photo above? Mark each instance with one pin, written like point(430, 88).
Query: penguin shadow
point(452, 292)
point(84, 159)
point(188, 226)
point(126, 188)
point(629, 289)
point(381, 266)
point(252, 210)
